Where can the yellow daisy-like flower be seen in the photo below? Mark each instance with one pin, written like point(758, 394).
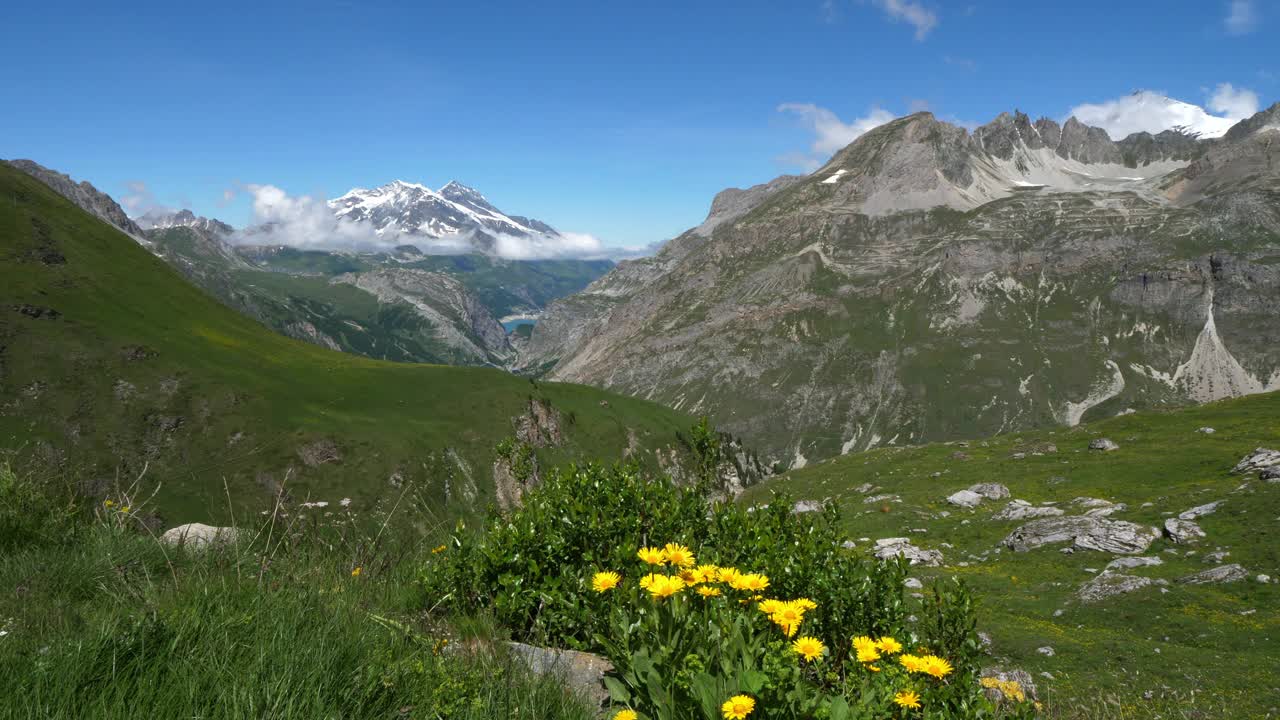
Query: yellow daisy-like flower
point(647, 581)
point(108, 503)
point(625, 715)
point(652, 555)
point(729, 575)
point(125, 509)
point(705, 591)
point(664, 586)
point(605, 581)
point(438, 549)
point(805, 604)
point(769, 607)
point(935, 666)
point(788, 617)
point(810, 648)
point(889, 646)
point(752, 582)
point(911, 663)
point(356, 572)
point(707, 573)
point(907, 699)
point(738, 707)
point(873, 668)
point(678, 555)
point(866, 648)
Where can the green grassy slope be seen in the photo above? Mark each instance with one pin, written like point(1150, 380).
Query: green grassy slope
point(110, 361)
point(1221, 641)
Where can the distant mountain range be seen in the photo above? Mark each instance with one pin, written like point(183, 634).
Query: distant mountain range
point(930, 283)
point(403, 305)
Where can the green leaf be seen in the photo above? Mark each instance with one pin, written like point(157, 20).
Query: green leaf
point(617, 691)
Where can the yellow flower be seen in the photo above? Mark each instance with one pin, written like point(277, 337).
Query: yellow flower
point(652, 555)
point(438, 550)
point(1010, 689)
point(788, 617)
point(866, 649)
point(873, 668)
point(729, 575)
point(911, 663)
point(647, 581)
point(935, 666)
point(805, 604)
point(664, 586)
point(754, 582)
point(678, 555)
point(810, 648)
point(125, 509)
point(604, 581)
point(707, 573)
point(108, 503)
point(888, 645)
point(769, 607)
point(689, 576)
point(625, 715)
point(705, 591)
point(738, 707)
point(907, 699)
point(356, 572)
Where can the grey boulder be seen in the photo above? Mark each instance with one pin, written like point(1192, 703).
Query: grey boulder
point(1259, 459)
point(1023, 510)
point(1111, 584)
point(965, 499)
point(1220, 574)
point(1103, 444)
point(991, 491)
point(1182, 531)
point(889, 548)
point(198, 536)
point(1200, 511)
point(1085, 533)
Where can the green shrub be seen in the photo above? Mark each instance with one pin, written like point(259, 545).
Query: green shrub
point(532, 569)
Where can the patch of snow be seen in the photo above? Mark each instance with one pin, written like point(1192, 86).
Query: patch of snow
point(1100, 393)
point(834, 177)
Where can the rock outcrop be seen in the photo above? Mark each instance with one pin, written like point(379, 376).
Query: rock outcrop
point(1085, 533)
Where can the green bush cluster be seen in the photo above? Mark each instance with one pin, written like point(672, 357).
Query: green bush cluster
point(532, 570)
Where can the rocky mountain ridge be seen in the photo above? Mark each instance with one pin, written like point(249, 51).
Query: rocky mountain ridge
point(930, 284)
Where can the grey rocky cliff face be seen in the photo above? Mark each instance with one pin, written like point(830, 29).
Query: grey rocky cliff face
point(83, 194)
point(459, 319)
point(810, 328)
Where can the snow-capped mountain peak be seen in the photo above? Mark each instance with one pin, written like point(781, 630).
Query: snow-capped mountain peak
point(455, 214)
point(1146, 111)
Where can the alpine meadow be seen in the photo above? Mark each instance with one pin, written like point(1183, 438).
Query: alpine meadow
point(412, 360)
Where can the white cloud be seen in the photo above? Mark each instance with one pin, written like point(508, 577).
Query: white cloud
point(830, 132)
point(1235, 103)
point(911, 12)
point(138, 199)
point(541, 247)
point(1242, 17)
point(307, 222)
point(1153, 112)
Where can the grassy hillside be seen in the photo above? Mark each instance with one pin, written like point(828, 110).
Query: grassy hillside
point(1200, 651)
point(111, 363)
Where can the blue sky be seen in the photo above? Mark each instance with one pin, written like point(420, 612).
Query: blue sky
point(621, 120)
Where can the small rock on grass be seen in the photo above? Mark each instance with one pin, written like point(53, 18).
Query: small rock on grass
point(1220, 574)
point(1103, 444)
